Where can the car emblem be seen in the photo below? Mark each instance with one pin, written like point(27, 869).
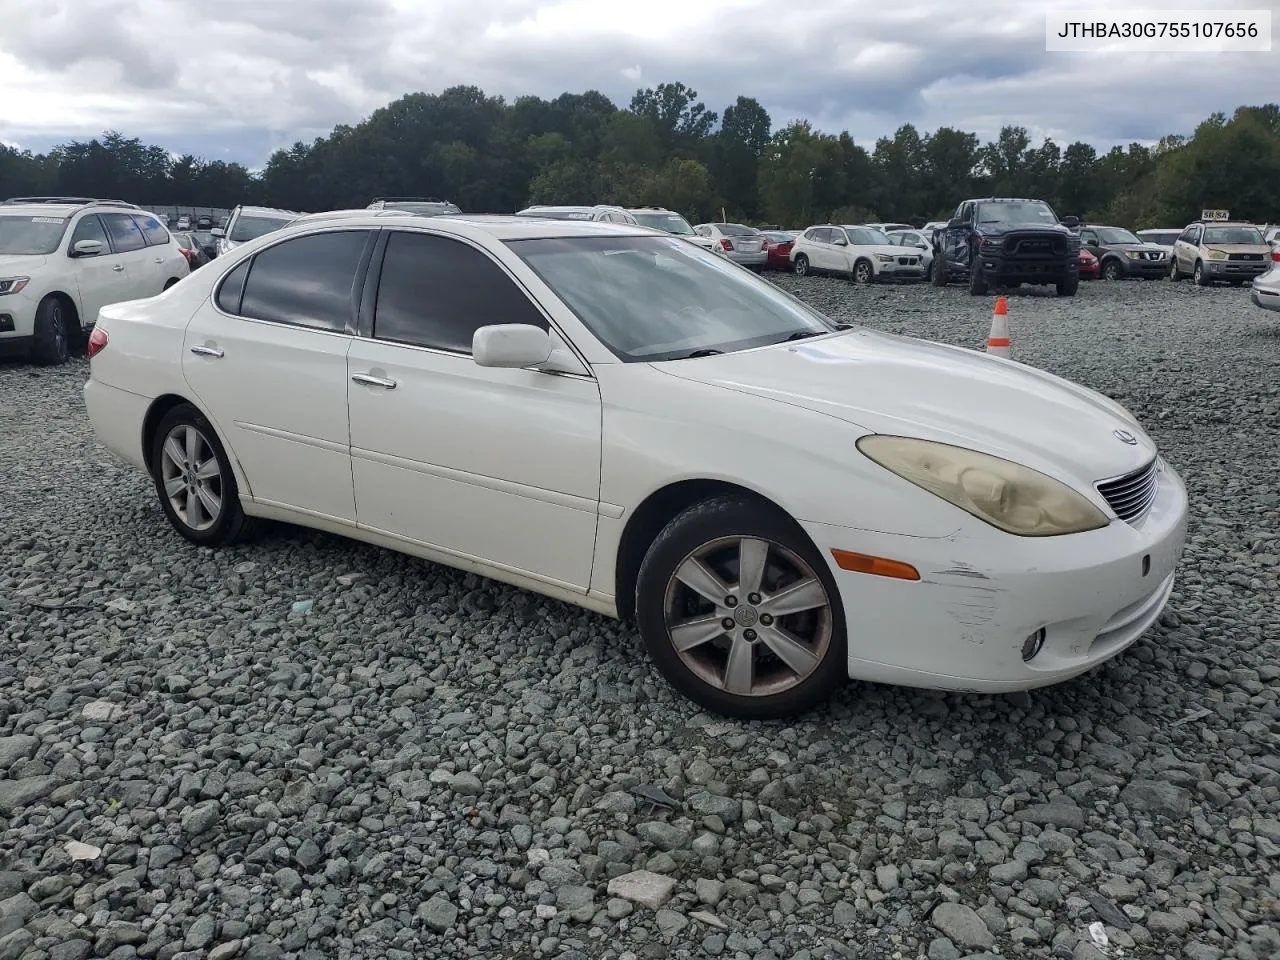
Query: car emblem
point(1124, 436)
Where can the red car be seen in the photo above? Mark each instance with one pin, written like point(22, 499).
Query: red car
point(1088, 264)
point(778, 244)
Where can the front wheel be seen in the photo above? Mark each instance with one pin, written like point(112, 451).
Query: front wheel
point(1200, 275)
point(802, 266)
point(863, 272)
point(51, 342)
point(1068, 287)
point(739, 612)
point(193, 479)
point(1111, 270)
point(939, 275)
point(977, 279)
point(1174, 273)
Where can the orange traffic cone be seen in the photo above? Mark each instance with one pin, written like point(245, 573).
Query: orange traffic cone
point(998, 339)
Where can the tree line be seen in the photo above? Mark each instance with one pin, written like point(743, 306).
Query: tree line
point(667, 148)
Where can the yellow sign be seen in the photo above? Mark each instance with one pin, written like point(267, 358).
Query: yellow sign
point(1215, 214)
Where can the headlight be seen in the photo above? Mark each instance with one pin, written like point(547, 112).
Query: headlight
point(1216, 255)
point(1013, 498)
point(1133, 254)
point(884, 258)
point(13, 284)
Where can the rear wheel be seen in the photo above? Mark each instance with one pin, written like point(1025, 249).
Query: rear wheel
point(51, 340)
point(193, 479)
point(802, 265)
point(740, 613)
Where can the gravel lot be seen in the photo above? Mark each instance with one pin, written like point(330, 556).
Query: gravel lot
point(305, 747)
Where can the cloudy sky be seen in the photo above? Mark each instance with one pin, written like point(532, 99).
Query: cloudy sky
point(235, 79)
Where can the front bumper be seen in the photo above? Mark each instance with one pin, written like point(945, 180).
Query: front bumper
point(901, 271)
point(982, 593)
point(1146, 269)
point(1265, 297)
point(1237, 269)
point(17, 316)
point(1029, 271)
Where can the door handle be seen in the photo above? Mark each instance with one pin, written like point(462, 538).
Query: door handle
point(371, 381)
point(158, 260)
point(118, 268)
point(203, 351)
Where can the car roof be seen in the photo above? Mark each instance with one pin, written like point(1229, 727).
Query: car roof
point(496, 225)
point(1222, 223)
point(63, 207)
point(264, 211)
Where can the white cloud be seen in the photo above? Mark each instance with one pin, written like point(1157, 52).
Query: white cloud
point(256, 74)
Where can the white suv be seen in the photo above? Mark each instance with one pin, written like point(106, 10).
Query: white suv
point(249, 223)
point(863, 254)
point(64, 258)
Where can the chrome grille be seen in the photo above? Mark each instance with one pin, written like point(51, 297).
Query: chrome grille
point(1131, 496)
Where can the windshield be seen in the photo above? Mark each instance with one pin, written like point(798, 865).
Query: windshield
point(1162, 237)
point(1115, 235)
point(1016, 211)
point(251, 227)
point(658, 298)
point(1232, 235)
point(670, 222)
point(867, 236)
point(31, 235)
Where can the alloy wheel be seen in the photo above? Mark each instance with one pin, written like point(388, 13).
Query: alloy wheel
point(191, 477)
point(748, 616)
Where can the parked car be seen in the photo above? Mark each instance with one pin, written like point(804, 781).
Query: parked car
point(248, 223)
point(659, 218)
point(601, 212)
point(583, 415)
point(1087, 264)
point(917, 240)
point(742, 244)
point(777, 248)
point(204, 223)
point(184, 223)
point(192, 249)
point(860, 253)
point(889, 227)
point(1121, 254)
point(1160, 237)
point(1217, 250)
point(1006, 242)
point(424, 206)
point(1265, 290)
point(63, 258)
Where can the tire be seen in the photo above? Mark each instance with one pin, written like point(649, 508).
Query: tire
point(1174, 273)
point(1200, 275)
point(52, 334)
point(928, 272)
point(194, 479)
point(863, 272)
point(977, 279)
point(1111, 270)
point(939, 271)
point(802, 265)
point(706, 540)
point(1068, 287)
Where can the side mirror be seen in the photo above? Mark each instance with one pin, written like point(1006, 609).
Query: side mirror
point(511, 345)
point(922, 245)
point(954, 223)
point(1070, 222)
point(841, 240)
point(218, 232)
point(88, 248)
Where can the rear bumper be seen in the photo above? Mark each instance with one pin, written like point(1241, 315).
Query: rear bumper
point(748, 259)
point(117, 417)
point(1264, 298)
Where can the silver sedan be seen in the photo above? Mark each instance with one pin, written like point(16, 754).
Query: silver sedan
point(1265, 291)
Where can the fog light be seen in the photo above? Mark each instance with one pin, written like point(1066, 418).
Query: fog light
point(1031, 646)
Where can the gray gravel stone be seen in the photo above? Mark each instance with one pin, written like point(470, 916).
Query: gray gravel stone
point(962, 926)
point(1157, 797)
point(438, 913)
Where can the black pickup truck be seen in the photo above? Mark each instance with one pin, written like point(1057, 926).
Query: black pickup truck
point(1004, 242)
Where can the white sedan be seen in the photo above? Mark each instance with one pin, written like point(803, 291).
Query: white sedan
point(626, 422)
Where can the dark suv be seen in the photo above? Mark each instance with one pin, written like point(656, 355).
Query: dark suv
point(1005, 242)
point(1122, 254)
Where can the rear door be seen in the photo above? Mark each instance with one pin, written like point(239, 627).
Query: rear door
point(1187, 248)
point(131, 247)
point(162, 262)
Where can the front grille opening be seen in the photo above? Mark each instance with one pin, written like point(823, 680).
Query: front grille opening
point(1131, 496)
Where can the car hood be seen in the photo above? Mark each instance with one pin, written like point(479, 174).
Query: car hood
point(889, 249)
point(1229, 248)
point(1039, 226)
point(896, 385)
point(20, 264)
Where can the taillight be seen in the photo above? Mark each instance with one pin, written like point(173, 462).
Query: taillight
point(97, 340)
point(1275, 255)
point(190, 255)
point(726, 243)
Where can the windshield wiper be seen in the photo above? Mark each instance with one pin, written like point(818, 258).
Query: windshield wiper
point(700, 352)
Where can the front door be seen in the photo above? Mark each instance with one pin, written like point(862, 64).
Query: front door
point(101, 279)
point(269, 366)
point(491, 464)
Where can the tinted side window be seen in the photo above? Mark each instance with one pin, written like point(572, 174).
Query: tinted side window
point(155, 234)
point(308, 281)
point(434, 292)
point(124, 232)
point(232, 289)
point(90, 228)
